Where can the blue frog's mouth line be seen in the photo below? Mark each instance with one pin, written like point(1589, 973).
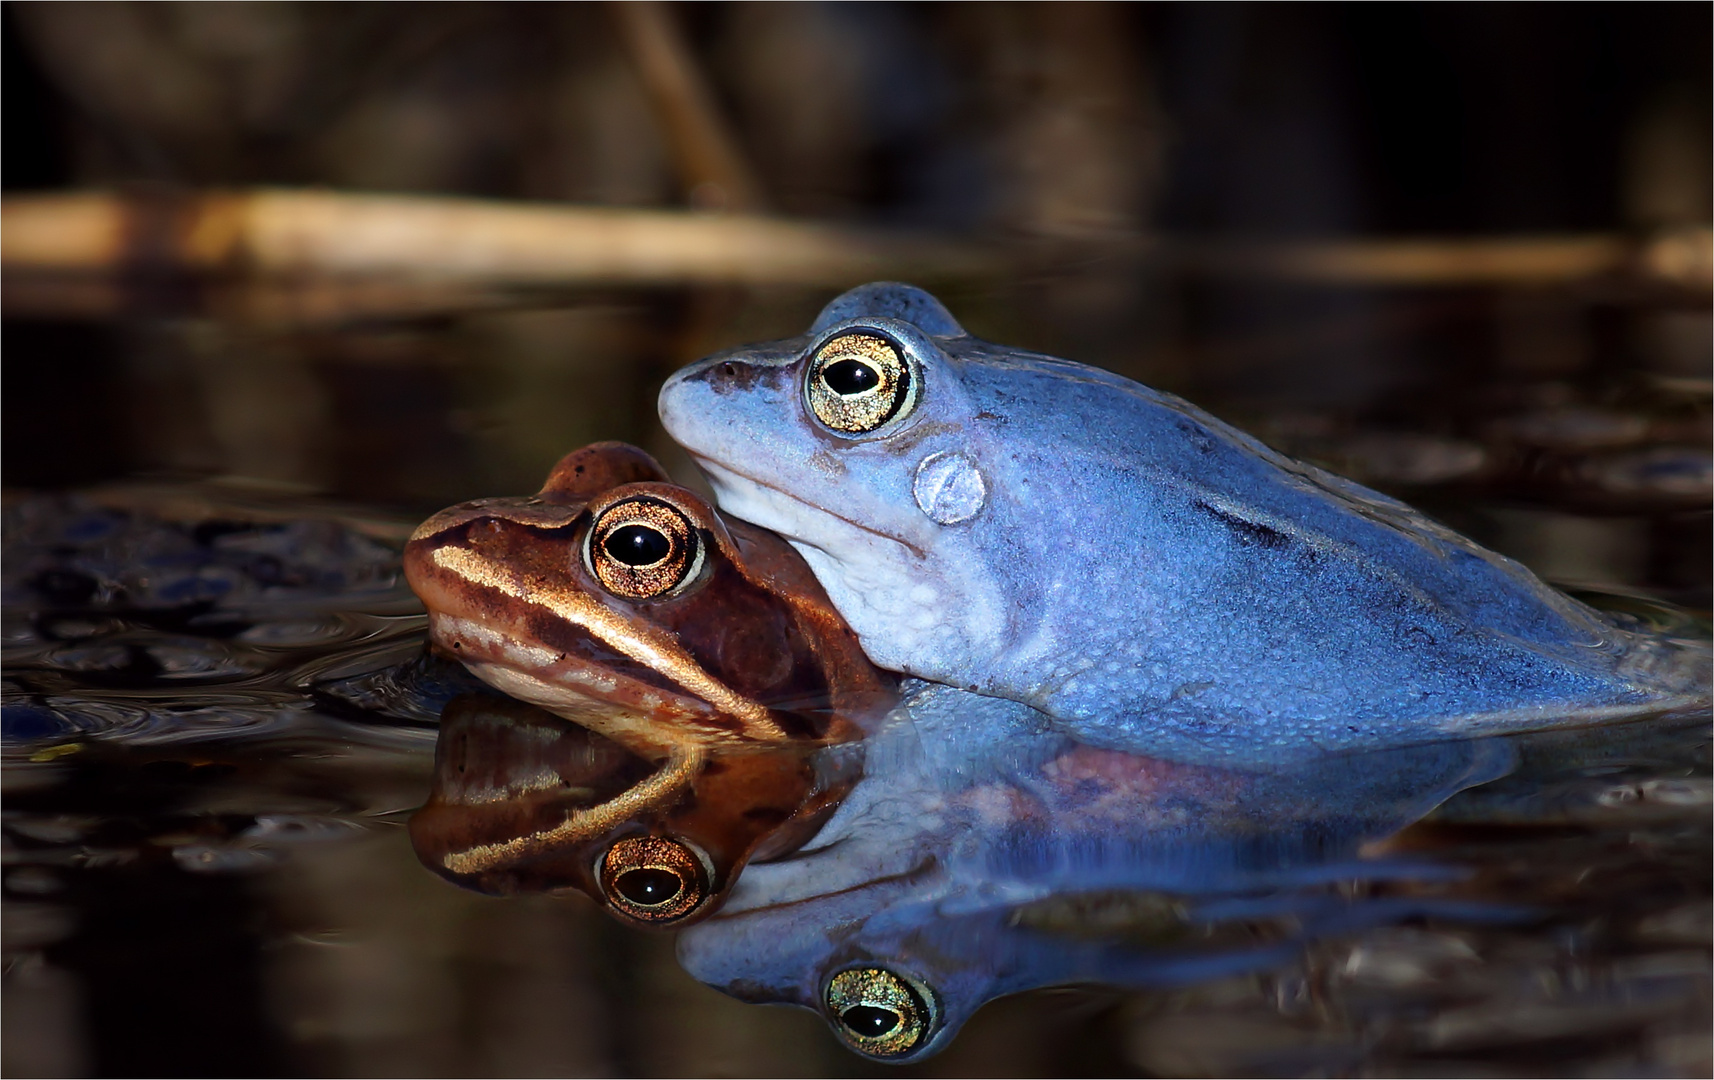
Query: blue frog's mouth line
point(712, 467)
point(917, 872)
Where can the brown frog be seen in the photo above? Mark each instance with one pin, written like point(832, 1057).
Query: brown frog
point(624, 603)
point(524, 802)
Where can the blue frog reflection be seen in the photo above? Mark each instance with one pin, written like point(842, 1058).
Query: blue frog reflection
point(965, 851)
point(930, 892)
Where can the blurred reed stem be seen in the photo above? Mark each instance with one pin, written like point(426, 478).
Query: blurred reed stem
point(712, 168)
point(418, 254)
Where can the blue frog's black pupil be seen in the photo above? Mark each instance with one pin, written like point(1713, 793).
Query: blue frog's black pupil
point(870, 1021)
point(648, 887)
point(637, 545)
point(847, 377)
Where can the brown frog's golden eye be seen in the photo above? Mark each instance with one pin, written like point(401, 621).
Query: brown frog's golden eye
point(879, 1013)
point(857, 382)
point(643, 548)
point(654, 879)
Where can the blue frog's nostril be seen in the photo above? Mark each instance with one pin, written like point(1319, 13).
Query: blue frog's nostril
point(726, 376)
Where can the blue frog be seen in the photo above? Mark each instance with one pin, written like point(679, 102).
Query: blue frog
point(1149, 577)
point(933, 889)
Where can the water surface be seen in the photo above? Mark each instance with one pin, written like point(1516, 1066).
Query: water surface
point(219, 717)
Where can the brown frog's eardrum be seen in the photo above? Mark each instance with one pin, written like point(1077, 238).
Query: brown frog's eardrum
point(523, 802)
point(625, 604)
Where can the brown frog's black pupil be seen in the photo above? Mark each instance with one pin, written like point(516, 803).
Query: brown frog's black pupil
point(869, 1021)
point(648, 887)
point(637, 545)
point(848, 377)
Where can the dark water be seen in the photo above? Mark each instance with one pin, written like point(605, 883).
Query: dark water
point(219, 717)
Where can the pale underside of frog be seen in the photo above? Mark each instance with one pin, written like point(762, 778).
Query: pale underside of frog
point(910, 909)
point(1148, 576)
point(624, 604)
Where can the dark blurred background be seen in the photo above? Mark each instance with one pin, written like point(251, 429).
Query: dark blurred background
point(1083, 139)
point(1066, 124)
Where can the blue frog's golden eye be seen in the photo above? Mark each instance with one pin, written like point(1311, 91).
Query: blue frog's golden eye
point(880, 1013)
point(654, 879)
point(857, 382)
point(643, 548)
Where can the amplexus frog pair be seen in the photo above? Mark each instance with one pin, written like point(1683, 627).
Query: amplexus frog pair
point(1012, 525)
point(625, 604)
point(1064, 556)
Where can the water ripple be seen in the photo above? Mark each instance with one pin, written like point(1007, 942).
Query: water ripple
point(124, 627)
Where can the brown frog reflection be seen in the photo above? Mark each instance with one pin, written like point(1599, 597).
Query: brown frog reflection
point(623, 603)
point(523, 802)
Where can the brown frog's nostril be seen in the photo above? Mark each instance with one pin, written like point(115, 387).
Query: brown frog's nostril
point(728, 370)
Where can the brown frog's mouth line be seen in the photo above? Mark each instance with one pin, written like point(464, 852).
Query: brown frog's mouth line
point(650, 646)
point(510, 667)
point(710, 465)
point(673, 775)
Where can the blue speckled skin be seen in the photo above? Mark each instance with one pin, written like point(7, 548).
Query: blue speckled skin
point(1148, 576)
point(972, 807)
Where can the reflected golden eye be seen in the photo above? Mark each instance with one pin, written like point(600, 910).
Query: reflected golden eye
point(880, 1013)
point(857, 382)
point(654, 879)
point(643, 548)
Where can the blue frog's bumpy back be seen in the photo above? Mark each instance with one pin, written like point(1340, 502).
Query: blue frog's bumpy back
point(1205, 597)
